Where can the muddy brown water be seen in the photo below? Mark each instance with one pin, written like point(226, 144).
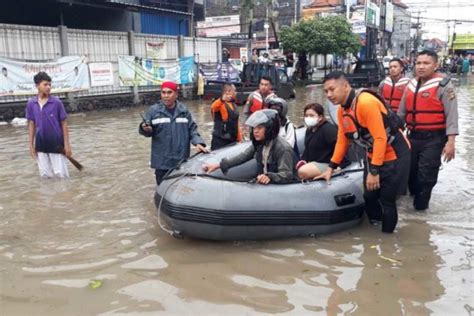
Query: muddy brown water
point(90, 245)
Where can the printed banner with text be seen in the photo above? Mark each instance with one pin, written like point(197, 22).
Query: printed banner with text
point(151, 72)
point(68, 74)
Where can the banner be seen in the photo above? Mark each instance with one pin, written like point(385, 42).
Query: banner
point(68, 74)
point(102, 74)
point(243, 54)
point(156, 50)
point(358, 21)
point(220, 72)
point(372, 15)
point(151, 72)
point(389, 17)
point(219, 26)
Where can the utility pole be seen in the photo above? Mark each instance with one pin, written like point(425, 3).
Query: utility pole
point(417, 35)
point(348, 9)
point(266, 26)
point(296, 11)
point(454, 35)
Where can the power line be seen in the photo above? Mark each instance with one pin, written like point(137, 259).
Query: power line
point(447, 20)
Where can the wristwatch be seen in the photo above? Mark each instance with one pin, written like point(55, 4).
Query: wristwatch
point(374, 170)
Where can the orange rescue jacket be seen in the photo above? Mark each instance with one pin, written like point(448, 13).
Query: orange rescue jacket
point(393, 92)
point(424, 110)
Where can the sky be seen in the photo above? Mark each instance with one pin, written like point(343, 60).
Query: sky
point(433, 11)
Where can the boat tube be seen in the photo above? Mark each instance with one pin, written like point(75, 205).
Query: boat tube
point(233, 207)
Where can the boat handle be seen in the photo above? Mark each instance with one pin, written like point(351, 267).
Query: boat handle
point(344, 199)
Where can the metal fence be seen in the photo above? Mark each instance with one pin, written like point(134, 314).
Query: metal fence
point(29, 42)
point(42, 43)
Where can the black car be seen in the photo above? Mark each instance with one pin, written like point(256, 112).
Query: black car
point(367, 73)
point(249, 81)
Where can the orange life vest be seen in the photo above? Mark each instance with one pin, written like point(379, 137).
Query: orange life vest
point(258, 102)
point(360, 135)
point(393, 92)
point(424, 110)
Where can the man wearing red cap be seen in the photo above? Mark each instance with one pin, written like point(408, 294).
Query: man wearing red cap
point(172, 128)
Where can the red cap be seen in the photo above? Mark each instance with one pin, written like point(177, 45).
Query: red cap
point(170, 85)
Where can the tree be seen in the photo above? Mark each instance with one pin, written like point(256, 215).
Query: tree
point(328, 35)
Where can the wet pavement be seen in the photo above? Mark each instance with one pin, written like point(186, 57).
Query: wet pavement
point(91, 245)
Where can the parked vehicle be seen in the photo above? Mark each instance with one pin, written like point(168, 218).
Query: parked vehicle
point(237, 63)
point(249, 81)
point(386, 62)
point(367, 73)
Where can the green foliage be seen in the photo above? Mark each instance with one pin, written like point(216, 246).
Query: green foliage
point(329, 35)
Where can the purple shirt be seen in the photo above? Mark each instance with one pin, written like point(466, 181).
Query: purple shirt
point(49, 133)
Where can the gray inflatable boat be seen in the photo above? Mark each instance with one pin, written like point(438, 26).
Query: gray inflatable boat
point(232, 207)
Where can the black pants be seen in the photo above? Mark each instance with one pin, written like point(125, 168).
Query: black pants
point(403, 173)
point(426, 150)
point(159, 174)
point(381, 204)
point(218, 142)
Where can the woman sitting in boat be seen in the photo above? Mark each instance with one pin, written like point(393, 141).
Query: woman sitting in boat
point(320, 140)
point(275, 157)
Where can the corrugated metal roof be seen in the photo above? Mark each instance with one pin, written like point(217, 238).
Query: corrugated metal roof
point(136, 4)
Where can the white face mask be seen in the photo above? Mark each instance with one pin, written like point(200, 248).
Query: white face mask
point(311, 121)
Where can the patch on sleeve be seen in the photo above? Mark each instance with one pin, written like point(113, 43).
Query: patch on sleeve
point(451, 94)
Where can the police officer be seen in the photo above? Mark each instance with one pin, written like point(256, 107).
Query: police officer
point(364, 120)
point(429, 108)
point(392, 88)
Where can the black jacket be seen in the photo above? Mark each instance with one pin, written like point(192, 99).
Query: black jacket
point(319, 143)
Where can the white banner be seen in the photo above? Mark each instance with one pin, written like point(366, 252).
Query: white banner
point(219, 26)
point(69, 74)
point(243, 53)
point(358, 21)
point(102, 74)
point(156, 50)
point(389, 17)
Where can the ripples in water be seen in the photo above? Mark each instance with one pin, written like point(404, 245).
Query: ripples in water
point(60, 237)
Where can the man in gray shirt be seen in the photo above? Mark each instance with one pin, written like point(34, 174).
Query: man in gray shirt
point(429, 108)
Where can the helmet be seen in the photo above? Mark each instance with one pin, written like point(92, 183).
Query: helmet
point(278, 104)
point(267, 118)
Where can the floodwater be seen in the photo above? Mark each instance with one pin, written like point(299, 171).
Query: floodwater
point(91, 245)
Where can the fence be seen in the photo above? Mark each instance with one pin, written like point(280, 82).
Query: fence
point(42, 43)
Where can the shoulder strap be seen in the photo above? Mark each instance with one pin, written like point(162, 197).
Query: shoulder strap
point(375, 94)
point(443, 83)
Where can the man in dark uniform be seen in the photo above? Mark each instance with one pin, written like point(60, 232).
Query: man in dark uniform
point(429, 108)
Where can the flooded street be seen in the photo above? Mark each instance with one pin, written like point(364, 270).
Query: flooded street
point(91, 245)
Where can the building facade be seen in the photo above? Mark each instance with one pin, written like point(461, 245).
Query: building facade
point(400, 39)
point(164, 17)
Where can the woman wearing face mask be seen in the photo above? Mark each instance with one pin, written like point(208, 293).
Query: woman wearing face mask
point(320, 140)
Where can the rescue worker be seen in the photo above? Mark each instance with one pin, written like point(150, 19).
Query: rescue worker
point(256, 100)
point(364, 119)
point(430, 110)
point(226, 119)
point(172, 128)
point(275, 158)
point(392, 88)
